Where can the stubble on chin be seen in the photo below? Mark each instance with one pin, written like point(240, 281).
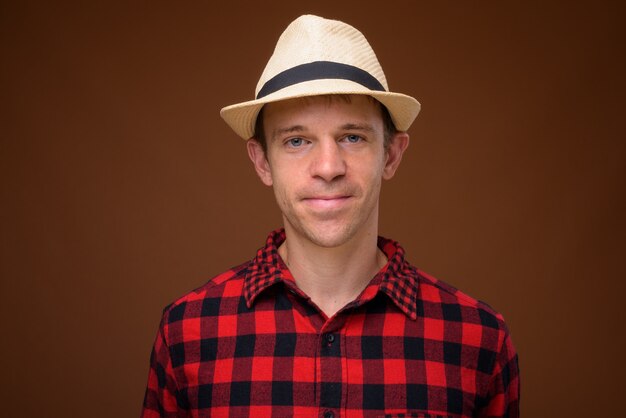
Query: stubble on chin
point(332, 232)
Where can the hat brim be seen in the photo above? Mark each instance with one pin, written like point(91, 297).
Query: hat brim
point(241, 117)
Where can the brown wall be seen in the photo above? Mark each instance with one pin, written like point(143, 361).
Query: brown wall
point(122, 188)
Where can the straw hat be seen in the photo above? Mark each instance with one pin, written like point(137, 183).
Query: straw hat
point(316, 56)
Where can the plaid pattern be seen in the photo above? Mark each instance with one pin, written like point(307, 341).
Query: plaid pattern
point(249, 343)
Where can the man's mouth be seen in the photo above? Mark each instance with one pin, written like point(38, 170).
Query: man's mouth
point(327, 202)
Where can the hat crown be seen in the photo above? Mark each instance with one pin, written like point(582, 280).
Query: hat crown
point(312, 38)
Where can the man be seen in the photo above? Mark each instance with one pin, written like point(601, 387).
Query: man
point(329, 319)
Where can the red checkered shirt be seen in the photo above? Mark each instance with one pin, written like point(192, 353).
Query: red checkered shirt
point(249, 343)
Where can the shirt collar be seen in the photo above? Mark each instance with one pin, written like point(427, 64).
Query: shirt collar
point(398, 281)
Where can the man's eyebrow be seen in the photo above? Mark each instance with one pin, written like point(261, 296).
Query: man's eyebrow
point(300, 128)
point(358, 127)
point(288, 130)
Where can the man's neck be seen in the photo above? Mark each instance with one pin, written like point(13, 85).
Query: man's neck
point(332, 277)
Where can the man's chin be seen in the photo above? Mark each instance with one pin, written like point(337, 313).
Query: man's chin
point(327, 236)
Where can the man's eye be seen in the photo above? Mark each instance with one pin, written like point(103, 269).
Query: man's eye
point(295, 142)
point(353, 138)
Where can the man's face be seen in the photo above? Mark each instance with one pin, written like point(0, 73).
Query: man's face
point(326, 160)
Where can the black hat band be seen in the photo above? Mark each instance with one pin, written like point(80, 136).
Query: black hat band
point(319, 70)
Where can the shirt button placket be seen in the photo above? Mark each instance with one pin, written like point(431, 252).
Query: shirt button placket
point(330, 367)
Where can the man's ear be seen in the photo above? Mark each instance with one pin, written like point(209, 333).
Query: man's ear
point(397, 145)
point(258, 158)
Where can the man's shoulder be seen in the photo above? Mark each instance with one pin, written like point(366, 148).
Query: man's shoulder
point(198, 301)
point(440, 299)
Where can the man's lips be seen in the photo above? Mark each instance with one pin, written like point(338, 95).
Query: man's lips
point(326, 202)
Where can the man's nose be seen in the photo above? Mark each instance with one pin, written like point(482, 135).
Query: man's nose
point(328, 160)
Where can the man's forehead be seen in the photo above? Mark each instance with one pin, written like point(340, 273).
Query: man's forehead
point(358, 105)
point(301, 114)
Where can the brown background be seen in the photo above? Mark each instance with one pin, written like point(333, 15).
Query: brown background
point(122, 188)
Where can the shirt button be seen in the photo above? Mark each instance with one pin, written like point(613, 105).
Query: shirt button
point(329, 414)
point(330, 338)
